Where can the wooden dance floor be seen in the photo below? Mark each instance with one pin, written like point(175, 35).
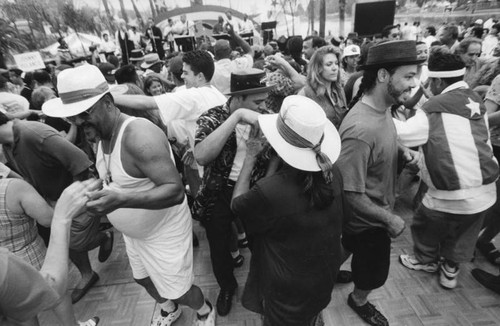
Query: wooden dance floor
point(408, 297)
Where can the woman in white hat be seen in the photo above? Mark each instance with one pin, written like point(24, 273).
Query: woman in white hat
point(294, 216)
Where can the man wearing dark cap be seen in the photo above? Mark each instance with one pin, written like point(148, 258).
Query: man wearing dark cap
point(220, 147)
point(108, 71)
point(458, 168)
point(368, 162)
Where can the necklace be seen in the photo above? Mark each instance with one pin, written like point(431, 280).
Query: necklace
point(107, 164)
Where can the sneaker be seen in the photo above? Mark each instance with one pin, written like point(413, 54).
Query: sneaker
point(208, 320)
point(368, 313)
point(411, 263)
point(91, 322)
point(448, 276)
point(168, 319)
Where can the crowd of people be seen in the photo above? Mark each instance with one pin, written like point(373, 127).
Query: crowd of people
point(297, 149)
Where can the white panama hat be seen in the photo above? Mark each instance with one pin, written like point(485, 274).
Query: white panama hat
point(79, 88)
point(308, 120)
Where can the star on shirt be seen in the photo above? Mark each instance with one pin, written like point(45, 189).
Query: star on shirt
point(474, 107)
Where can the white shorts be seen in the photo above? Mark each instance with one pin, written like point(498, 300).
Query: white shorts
point(169, 264)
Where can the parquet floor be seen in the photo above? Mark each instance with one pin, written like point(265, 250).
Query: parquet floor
point(408, 297)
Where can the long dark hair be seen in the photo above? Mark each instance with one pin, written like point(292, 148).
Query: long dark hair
point(368, 82)
point(319, 193)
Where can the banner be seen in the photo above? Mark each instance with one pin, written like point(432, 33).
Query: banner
point(29, 61)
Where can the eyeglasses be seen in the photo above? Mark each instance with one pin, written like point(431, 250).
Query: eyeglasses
point(83, 115)
point(474, 54)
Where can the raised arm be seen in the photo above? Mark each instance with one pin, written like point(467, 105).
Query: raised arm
point(135, 102)
point(209, 148)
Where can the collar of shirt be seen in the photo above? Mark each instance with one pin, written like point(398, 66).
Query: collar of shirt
point(460, 84)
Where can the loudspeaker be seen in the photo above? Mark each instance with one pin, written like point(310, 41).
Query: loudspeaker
point(371, 17)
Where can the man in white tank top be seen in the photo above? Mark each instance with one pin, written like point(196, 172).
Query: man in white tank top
point(142, 194)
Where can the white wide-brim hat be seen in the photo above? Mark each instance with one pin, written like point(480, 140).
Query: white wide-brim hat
point(308, 120)
point(79, 88)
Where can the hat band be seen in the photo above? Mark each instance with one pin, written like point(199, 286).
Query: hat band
point(294, 139)
point(446, 74)
point(83, 94)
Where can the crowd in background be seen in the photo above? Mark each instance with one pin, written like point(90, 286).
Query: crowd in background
point(297, 149)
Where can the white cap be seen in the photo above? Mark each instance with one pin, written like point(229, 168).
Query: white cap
point(351, 50)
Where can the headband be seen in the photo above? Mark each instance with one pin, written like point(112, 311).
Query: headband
point(84, 94)
point(446, 74)
point(294, 139)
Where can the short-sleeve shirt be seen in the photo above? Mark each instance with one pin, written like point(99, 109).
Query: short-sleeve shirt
point(21, 300)
point(44, 158)
point(368, 160)
point(493, 95)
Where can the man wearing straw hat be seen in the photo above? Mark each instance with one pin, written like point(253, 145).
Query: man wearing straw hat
point(368, 162)
point(458, 168)
point(143, 194)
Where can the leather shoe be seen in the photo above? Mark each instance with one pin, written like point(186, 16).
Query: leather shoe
point(488, 280)
point(77, 294)
point(107, 247)
point(224, 302)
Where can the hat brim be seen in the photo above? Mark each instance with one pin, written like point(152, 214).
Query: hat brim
point(57, 109)
point(300, 158)
point(147, 65)
point(391, 64)
point(137, 59)
point(251, 91)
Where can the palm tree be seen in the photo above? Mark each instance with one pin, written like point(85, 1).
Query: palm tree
point(9, 40)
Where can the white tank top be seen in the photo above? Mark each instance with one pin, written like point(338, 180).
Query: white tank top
point(139, 223)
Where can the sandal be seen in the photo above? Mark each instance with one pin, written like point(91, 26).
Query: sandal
point(489, 251)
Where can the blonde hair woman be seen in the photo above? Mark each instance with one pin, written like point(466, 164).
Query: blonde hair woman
point(323, 83)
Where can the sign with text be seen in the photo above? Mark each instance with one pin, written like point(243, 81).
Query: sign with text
point(29, 61)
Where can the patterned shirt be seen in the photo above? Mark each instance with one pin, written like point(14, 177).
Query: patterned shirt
point(216, 173)
point(18, 232)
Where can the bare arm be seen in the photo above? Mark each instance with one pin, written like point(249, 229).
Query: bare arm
point(247, 49)
point(135, 102)
point(362, 205)
point(298, 80)
point(147, 147)
point(493, 113)
point(207, 150)
point(69, 205)
point(30, 202)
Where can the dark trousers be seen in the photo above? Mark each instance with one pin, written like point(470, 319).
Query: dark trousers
point(219, 231)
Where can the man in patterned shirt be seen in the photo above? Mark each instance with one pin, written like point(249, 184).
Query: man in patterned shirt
point(220, 146)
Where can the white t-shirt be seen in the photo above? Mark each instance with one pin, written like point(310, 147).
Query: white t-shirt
point(242, 134)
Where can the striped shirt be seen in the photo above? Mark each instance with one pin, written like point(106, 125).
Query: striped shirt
point(458, 164)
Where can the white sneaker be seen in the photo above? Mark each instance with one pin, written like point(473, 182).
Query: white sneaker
point(448, 276)
point(167, 320)
point(209, 321)
point(412, 263)
point(91, 322)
